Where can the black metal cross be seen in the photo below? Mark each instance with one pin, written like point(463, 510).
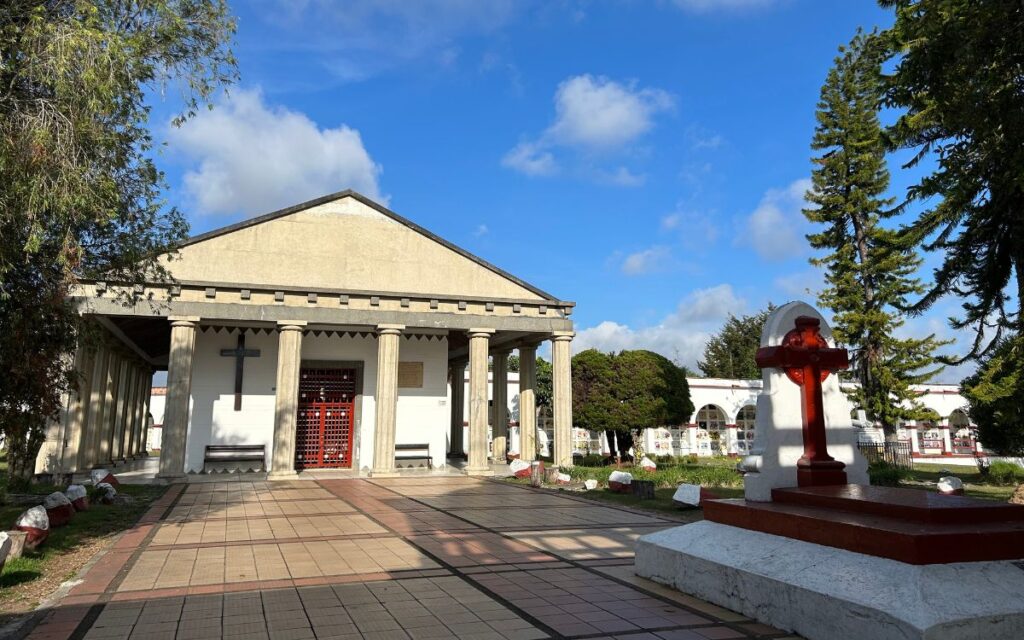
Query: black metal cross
point(239, 353)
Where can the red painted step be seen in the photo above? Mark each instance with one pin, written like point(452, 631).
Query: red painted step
point(910, 541)
point(907, 504)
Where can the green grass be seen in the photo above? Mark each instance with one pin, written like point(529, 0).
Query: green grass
point(85, 528)
point(713, 474)
point(718, 474)
point(925, 475)
point(662, 500)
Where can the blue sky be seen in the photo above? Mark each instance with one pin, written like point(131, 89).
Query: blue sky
point(644, 159)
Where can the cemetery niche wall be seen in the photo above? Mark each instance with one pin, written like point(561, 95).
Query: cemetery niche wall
point(812, 548)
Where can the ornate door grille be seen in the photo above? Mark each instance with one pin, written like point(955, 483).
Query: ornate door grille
point(323, 437)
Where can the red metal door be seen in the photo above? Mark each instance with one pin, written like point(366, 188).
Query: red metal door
point(323, 436)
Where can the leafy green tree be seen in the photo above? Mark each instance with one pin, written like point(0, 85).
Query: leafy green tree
point(957, 82)
point(730, 352)
point(80, 194)
point(544, 391)
point(626, 393)
point(869, 275)
point(993, 392)
point(595, 404)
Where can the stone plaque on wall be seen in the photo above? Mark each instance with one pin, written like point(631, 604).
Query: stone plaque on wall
point(410, 375)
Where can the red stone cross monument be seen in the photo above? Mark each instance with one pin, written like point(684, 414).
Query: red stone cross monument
point(807, 360)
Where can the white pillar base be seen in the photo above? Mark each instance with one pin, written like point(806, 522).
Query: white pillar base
point(282, 475)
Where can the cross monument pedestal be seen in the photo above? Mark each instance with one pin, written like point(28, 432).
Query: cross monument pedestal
point(813, 548)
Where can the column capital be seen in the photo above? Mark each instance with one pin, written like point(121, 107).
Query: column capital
point(481, 333)
point(458, 364)
point(524, 345)
point(183, 321)
point(390, 329)
point(560, 336)
point(290, 325)
point(500, 349)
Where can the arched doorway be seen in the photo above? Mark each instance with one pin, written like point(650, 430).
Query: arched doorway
point(745, 420)
point(963, 435)
point(711, 429)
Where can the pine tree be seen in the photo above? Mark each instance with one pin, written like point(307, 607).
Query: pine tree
point(730, 352)
point(869, 275)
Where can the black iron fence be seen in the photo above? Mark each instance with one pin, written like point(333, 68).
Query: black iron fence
point(896, 454)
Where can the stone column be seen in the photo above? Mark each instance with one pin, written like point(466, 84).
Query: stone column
point(458, 374)
point(499, 406)
point(135, 416)
point(691, 439)
point(561, 391)
point(94, 412)
point(147, 392)
point(179, 391)
point(125, 394)
point(915, 443)
point(75, 431)
point(286, 405)
point(528, 402)
point(731, 442)
point(388, 339)
point(104, 452)
point(479, 340)
point(947, 441)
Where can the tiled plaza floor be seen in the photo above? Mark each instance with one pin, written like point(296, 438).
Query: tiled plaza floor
point(424, 558)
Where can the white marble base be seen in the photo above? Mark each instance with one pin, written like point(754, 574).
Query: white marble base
point(824, 593)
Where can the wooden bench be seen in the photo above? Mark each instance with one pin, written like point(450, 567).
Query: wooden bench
point(244, 457)
point(401, 449)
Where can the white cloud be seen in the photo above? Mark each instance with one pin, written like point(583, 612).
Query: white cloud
point(704, 6)
point(251, 157)
point(803, 285)
point(358, 39)
point(601, 113)
point(680, 336)
point(530, 159)
point(594, 116)
point(621, 177)
point(647, 261)
point(776, 228)
point(696, 228)
point(481, 231)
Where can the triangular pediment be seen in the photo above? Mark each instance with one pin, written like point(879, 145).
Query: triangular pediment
point(343, 241)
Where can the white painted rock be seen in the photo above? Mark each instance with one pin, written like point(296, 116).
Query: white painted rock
point(519, 468)
point(5, 548)
point(100, 476)
point(951, 485)
point(58, 509)
point(620, 481)
point(647, 464)
point(78, 496)
point(590, 484)
point(563, 478)
point(107, 492)
point(687, 496)
point(36, 525)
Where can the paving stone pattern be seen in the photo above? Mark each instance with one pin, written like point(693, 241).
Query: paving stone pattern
point(424, 558)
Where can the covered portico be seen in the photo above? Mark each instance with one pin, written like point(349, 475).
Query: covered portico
point(338, 308)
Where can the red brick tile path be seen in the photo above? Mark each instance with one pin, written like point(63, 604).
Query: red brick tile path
point(456, 558)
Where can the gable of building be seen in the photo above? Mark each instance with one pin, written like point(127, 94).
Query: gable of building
point(346, 242)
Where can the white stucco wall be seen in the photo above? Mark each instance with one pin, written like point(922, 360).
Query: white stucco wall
point(422, 415)
point(213, 419)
